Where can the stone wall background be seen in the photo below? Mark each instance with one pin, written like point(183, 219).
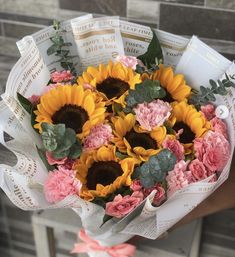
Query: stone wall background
point(212, 20)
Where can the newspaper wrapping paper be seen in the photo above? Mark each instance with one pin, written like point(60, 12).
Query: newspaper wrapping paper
point(23, 175)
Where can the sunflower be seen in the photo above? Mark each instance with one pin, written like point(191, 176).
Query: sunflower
point(70, 105)
point(111, 81)
point(193, 123)
point(133, 140)
point(102, 173)
point(175, 85)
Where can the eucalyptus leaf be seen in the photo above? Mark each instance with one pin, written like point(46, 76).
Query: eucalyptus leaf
point(144, 92)
point(52, 49)
point(60, 155)
point(147, 182)
point(207, 94)
point(61, 48)
point(75, 150)
point(166, 160)
point(156, 168)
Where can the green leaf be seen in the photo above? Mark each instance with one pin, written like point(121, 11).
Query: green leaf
point(156, 168)
point(120, 155)
point(106, 218)
point(60, 141)
point(154, 52)
point(68, 139)
point(42, 155)
point(146, 91)
point(166, 160)
point(52, 49)
point(136, 174)
point(169, 129)
point(67, 44)
point(207, 95)
point(26, 104)
point(147, 182)
point(203, 90)
point(213, 84)
point(61, 154)
point(117, 108)
point(49, 142)
point(75, 150)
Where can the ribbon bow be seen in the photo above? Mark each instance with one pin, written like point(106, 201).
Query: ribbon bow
point(89, 244)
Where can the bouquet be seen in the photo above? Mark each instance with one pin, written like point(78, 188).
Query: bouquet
point(119, 122)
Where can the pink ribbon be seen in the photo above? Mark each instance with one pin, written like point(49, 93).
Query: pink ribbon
point(89, 244)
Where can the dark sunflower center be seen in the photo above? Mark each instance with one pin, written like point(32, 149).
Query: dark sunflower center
point(104, 173)
point(72, 116)
point(168, 98)
point(140, 139)
point(188, 136)
point(113, 87)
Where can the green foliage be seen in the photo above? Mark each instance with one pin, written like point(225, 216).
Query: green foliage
point(156, 168)
point(60, 48)
point(207, 94)
point(169, 129)
point(117, 108)
point(153, 55)
point(140, 69)
point(60, 141)
point(120, 155)
point(146, 91)
point(25, 103)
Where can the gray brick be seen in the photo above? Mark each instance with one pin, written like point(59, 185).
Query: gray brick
point(209, 23)
point(107, 7)
point(19, 30)
point(193, 2)
point(146, 11)
point(226, 4)
point(25, 18)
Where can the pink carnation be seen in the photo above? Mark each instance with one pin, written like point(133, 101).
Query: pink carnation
point(219, 126)
point(154, 114)
point(178, 178)
point(61, 183)
point(61, 76)
point(99, 135)
point(122, 205)
point(53, 161)
point(136, 185)
point(160, 195)
point(208, 111)
point(213, 150)
point(34, 99)
point(174, 146)
point(198, 170)
point(128, 61)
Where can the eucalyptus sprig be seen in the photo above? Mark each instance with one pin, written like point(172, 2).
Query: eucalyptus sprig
point(155, 169)
point(60, 141)
point(60, 48)
point(146, 91)
point(207, 94)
